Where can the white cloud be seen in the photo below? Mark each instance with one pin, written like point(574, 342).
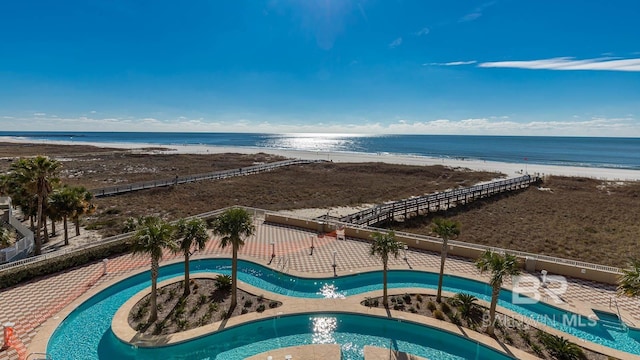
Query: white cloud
point(470, 17)
point(596, 126)
point(453, 63)
point(569, 63)
point(39, 114)
point(395, 43)
point(477, 12)
point(423, 31)
point(492, 125)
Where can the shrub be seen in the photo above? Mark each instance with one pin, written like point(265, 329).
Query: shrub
point(202, 299)
point(248, 303)
point(260, 298)
point(431, 306)
point(445, 308)
point(438, 315)
point(537, 350)
point(172, 294)
point(223, 282)
point(244, 310)
point(139, 313)
point(182, 324)
point(455, 319)
point(273, 304)
point(159, 327)
point(213, 307)
point(413, 310)
point(20, 274)
point(560, 348)
point(466, 304)
point(508, 339)
point(407, 298)
point(419, 298)
point(260, 308)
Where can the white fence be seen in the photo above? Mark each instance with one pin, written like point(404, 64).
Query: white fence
point(22, 247)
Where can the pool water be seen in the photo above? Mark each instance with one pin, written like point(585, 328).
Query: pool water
point(351, 331)
point(88, 327)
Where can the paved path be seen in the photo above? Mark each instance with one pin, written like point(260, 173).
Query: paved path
point(30, 304)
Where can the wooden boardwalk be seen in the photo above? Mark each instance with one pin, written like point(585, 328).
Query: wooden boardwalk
point(404, 209)
point(217, 175)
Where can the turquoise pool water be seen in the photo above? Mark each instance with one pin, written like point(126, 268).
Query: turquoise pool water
point(351, 331)
point(96, 313)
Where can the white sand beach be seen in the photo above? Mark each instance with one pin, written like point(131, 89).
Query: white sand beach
point(509, 169)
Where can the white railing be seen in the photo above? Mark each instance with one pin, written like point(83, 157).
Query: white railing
point(24, 246)
point(111, 239)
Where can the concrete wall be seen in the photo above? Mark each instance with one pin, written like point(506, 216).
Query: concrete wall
point(532, 262)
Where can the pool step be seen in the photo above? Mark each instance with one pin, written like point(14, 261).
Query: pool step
point(610, 321)
point(613, 325)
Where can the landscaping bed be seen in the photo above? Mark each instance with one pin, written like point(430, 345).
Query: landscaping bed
point(208, 302)
point(468, 314)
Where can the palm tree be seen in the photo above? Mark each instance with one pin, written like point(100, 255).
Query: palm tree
point(193, 234)
point(233, 224)
point(382, 246)
point(37, 175)
point(63, 203)
point(500, 266)
point(629, 281)
point(83, 205)
point(153, 236)
point(447, 229)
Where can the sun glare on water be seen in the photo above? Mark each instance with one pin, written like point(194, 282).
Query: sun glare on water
point(314, 142)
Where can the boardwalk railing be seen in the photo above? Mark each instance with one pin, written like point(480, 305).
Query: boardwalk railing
point(436, 201)
point(217, 175)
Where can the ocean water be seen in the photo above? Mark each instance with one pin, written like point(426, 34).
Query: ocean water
point(618, 153)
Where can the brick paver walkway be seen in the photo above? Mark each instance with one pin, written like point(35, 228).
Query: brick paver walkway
point(30, 304)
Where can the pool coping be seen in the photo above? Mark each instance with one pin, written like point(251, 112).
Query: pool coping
point(40, 341)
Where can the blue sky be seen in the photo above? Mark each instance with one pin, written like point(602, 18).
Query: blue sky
point(512, 67)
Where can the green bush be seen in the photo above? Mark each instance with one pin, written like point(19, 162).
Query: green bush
point(431, 306)
point(407, 298)
point(260, 308)
point(438, 315)
point(19, 274)
point(445, 308)
point(560, 348)
point(223, 282)
point(202, 299)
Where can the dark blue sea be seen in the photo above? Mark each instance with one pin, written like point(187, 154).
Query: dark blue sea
point(619, 153)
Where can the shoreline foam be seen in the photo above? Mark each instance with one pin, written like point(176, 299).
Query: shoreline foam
point(509, 169)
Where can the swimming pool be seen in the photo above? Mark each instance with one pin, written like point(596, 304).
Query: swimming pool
point(96, 313)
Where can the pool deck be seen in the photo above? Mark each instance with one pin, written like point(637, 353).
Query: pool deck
point(37, 306)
